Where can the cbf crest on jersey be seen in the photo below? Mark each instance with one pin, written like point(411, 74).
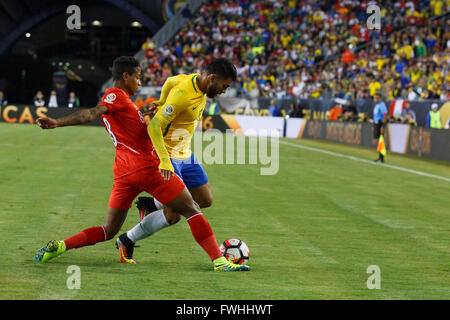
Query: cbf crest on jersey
point(168, 110)
point(110, 98)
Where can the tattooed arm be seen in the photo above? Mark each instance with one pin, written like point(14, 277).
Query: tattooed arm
point(80, 117)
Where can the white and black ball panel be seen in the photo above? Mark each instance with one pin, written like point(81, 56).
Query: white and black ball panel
point(235, 250)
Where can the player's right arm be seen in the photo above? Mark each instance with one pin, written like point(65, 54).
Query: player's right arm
point(80, 117)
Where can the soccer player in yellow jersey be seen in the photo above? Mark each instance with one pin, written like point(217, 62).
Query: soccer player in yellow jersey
point(181, 104)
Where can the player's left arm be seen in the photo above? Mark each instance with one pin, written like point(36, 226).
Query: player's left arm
point(155, 132)
point(161, 121)
point(80, 117)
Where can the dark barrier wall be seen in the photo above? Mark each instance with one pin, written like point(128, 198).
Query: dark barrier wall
point(422, 142)
point(29, 114)
point(214, 122)
point(358, 133)
point(430, 143)
point(317, 109)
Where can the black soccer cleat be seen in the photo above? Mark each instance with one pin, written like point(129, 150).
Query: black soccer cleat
point(145, 205)
point(126, 248)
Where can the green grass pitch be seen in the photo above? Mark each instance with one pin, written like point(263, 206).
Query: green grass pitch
point(313, 229)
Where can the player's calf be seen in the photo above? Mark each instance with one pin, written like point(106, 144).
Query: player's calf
point(114, 221)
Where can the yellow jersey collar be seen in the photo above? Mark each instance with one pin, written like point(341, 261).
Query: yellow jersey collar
point(194, 83)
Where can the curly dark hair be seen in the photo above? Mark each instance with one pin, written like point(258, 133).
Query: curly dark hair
point(223, 68)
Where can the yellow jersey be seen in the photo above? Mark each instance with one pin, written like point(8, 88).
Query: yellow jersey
point(181, 106)
point(373, 87)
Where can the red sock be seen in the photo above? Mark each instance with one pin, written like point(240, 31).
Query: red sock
point(203, 234)
point(87, 237)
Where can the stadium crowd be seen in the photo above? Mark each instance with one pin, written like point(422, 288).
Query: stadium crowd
point(312, 49)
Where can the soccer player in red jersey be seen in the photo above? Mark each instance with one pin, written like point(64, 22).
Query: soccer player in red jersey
point(180, 107)
point(136, 169)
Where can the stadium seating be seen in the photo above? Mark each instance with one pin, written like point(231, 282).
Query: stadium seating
point(312, 49)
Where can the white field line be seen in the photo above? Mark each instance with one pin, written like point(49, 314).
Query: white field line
point(335, 154)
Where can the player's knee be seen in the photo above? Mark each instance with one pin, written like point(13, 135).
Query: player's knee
point(206, 202)
point(190, 209)
point(172, 217)
point(196, 207)
point(184, 205)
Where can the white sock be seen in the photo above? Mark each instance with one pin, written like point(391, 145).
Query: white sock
point(152, 223)
point(158, 204)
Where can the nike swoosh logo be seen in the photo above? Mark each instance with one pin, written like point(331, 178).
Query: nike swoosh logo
point(195, 108)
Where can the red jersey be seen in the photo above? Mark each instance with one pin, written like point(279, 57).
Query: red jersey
point(128, 130)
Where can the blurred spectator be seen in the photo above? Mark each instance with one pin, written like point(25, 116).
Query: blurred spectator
point(374, 85)
point(3, 101)
point(348, 56)
point(213, 108)
point(149, 48)
point(73, 101)
point(412, 94)
point(335, 112)
point(434, 117)
point(38, 100)
point(408, 115)
point(295, 111)
point(350, 113)
point(149, 101)
point(445, 94)
point(139, 102)
point(53, 100)
point(274, 110)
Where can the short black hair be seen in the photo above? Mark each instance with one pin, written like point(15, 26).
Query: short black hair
point(223, 68)
point(124, 64)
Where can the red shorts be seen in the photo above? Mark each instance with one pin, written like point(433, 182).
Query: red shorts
point(149, 179)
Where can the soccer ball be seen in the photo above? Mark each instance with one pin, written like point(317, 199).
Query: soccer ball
point(235, 250)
